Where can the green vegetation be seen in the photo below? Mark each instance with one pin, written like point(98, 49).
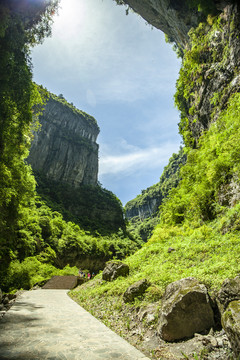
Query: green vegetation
point(198, 230)
point(45, 242)
point(210, 175)
point(199, 58)
point(93, 208)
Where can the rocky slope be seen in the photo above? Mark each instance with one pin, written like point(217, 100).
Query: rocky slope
point(65, 148)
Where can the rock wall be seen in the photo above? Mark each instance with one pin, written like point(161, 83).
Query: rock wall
point(65, 148)
point(145, 210)
point(174, 17)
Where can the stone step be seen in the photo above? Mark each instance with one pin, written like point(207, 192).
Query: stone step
point(62, 282)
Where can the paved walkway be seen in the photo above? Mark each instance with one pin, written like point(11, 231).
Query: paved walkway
point(49, 325)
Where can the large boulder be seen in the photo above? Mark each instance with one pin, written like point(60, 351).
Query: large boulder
point(114, 269)
point(230, 291)
point(135, 290)
point(231, 325)
point(186, 310)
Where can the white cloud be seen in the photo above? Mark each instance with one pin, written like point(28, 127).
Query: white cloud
point(137, 160)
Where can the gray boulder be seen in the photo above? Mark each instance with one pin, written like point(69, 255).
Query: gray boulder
point(230, 291)
point(231, 325)
point(114, 269)
point(186, 310)
point(135, 290)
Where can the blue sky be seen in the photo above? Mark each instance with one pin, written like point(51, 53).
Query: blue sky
point(118, 69)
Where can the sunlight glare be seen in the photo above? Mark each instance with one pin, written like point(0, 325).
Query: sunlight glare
point(71, 16)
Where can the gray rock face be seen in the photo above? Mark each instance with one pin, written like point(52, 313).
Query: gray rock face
point(231, 324)
point(114, 269)
point(135, 290)
point(230, 291)
point(145, 210)
point(185, 310)
point(173, 17)
point(65, 148)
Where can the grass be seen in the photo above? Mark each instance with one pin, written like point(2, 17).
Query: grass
point(204, 253)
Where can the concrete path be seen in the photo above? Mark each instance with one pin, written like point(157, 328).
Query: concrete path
point(49, 325)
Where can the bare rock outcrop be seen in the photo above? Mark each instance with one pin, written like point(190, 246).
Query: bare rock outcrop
point(186, 309)
point(228, 299)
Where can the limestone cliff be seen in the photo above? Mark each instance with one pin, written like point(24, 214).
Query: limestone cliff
point(64, 157)
point(65, 148)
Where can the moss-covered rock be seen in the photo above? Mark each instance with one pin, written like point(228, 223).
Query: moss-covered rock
point(135, 290)
point(231, 324)
point(114, 269)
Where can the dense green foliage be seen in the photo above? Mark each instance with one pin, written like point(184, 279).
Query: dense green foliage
point(210, 173)
point(168, 180)
point(93, 208)
point(43, 238)
point(20, 27)
point(197, 60)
